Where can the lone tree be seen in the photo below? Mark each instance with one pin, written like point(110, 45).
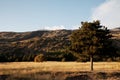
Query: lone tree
point(90, 39)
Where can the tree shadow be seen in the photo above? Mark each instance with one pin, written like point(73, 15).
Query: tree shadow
point(79, 77)
point(4, 77)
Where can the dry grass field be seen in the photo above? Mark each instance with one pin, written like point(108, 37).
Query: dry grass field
point(59, 71)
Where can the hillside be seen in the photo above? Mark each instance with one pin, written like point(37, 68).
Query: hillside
point(50, 40)
point(31, 43)
point(35, 42)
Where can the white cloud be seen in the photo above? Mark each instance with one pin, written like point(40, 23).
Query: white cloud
point(108, 13)
point(54, 27)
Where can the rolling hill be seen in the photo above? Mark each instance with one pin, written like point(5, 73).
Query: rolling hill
point(42, 41)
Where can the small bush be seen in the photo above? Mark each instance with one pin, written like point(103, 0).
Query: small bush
point(63, 60)
point(39, 58)
point(82, 59)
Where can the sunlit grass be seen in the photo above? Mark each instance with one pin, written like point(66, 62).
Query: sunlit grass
point(25, 67)
point(59, 71)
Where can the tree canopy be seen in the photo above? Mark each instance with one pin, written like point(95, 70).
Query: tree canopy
point(91, 39)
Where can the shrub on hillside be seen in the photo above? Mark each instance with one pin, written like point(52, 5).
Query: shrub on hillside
point(39, 58)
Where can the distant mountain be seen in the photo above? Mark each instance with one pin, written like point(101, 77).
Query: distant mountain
point(116, 29)
point(115, 33)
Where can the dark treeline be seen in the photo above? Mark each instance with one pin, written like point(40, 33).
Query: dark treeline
point(14, 54)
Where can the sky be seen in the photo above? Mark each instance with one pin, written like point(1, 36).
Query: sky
point(31, 15)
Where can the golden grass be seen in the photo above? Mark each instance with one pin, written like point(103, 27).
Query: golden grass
point(25, 67)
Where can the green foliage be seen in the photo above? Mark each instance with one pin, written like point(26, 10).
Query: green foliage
point(39, 58)
point(91, 39)
point(60, 56)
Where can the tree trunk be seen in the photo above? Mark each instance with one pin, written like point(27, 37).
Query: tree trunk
point(91, 62)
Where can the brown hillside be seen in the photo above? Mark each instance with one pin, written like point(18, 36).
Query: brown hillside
point(34, 41)
point(29, 43)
